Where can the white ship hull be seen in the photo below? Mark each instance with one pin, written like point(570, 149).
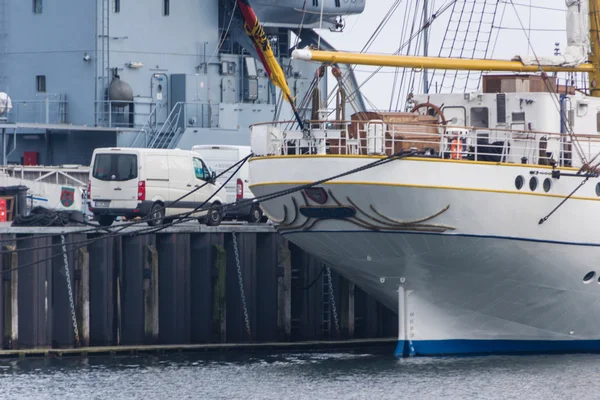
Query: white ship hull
point(480, 274)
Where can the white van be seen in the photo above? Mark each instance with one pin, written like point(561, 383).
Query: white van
point(219, 158)
point(134, 182)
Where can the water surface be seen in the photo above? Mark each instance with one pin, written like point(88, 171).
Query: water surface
point(363, 375)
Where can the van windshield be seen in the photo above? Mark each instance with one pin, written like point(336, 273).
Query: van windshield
point(115, 167)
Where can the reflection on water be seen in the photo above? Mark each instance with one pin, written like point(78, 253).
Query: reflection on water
point(302, 376)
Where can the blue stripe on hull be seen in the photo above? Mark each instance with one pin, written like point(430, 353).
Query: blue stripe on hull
point(493, 347)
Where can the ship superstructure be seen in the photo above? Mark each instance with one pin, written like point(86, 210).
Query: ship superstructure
point(157, 73)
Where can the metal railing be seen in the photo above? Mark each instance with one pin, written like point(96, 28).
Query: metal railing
point(377, 137)
point(162, 138)
point(124, 114)
point(148, 128)
point(46, 109)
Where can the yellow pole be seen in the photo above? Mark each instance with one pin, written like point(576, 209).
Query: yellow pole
point(594, 74)
point(435, 62)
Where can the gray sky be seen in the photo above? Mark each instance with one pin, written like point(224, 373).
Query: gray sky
point(548, 27)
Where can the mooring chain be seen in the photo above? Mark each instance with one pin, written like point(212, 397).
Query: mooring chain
point(71, 302)
point(239, 271)
point(332, 298)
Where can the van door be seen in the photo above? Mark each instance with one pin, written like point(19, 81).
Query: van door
point(219, 159)
point(201, 177)
point(115, 180)
point(180, 184)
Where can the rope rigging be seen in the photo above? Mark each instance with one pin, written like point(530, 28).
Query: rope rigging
point(184, 217)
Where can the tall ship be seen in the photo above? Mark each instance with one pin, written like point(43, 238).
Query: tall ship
point(471, 214)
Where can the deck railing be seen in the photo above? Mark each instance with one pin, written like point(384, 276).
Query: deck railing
point(377, 137)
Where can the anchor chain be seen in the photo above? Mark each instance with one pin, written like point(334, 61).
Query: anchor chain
point(332, 298)
point(69, 289)
point(241, 283)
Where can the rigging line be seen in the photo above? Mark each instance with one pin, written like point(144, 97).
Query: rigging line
point(374, 35)
point(263, 198)
point(452, 46)
point(220, 44)
point(279, 104)
point(554, 96)
point(512, 28)
point(121, 227)
point(529, 34)
point(487, 46)
point(479, 74)
point(532, 6)
point(183, 216)
point(397, 70)
point(320, 25)
point(408, 53)
point(544, 219)
point(412, 75)
point(434, 16)
point(498, 31)
point(442, 46)
point(462, 51)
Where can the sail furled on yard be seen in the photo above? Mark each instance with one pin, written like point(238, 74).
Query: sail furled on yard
point(256, 32)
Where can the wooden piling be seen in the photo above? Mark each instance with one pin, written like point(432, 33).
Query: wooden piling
point(11, 292)
point(219, 269)
point(150, 294)
point(284, 293)
point(347, 289)
point(83, 296)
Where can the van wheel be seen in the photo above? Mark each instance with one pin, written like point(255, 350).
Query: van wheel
point(214, 216)
point(255, 215)
point(104, 220)
point(157, 215)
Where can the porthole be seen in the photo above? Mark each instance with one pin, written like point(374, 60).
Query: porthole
point(533, 182)
point(547, 185)
point(589, 276)
point(519, 181)
point(598, 189)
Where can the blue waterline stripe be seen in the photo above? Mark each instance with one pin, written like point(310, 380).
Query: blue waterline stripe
point(457, 234)
point(493, 347)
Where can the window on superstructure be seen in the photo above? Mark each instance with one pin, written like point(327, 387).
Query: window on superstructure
point(40, 81)
point(480, 117)
point(37, 6)
point(316, 3)
point(117, 6)
point(598, 122)
point(166, 7)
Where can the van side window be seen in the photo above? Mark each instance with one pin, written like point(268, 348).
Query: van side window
point(200, 169)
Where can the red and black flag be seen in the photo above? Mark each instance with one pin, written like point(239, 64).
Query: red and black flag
point(256, 32)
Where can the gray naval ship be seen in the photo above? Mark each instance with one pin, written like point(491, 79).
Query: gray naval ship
point(152, 73)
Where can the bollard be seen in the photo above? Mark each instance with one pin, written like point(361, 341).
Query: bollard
point(82, 288)
point(284, 293)
point(11, 304)
point(219, 268)
point(150, 294)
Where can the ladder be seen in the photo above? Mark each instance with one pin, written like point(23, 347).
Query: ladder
point(102, 107)
point(326, 307)
point(3, 33)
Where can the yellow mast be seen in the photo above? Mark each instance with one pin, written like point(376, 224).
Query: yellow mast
point(431, 62)
point(594, 74)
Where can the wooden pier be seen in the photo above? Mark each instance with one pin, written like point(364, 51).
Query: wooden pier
point(180, 288)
